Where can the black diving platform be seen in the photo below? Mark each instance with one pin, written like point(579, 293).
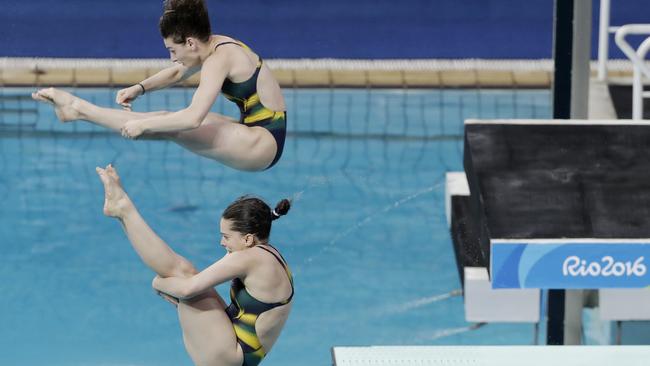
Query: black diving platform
point(553, 204)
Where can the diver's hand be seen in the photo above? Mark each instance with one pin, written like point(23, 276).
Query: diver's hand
point(132, 129)
point(170, 299)
point(126, 96)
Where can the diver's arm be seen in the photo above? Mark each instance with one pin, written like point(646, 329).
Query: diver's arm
point(230, 266)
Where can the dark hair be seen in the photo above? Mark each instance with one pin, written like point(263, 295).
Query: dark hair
point(251, 215)
point(185, 18)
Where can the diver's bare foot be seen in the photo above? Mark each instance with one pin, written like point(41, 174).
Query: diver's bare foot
point(116, 202)
point(113, 174)
point(65, 104)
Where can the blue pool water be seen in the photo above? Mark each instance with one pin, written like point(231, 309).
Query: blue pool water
point(366, 237)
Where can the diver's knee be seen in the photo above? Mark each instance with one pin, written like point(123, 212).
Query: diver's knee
point(184, 268)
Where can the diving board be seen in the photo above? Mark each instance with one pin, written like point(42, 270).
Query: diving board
point(491, 355)
point(554, 204)
point(561, 203)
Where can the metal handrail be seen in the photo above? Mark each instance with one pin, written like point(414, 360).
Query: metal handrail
point(603, 40)
point(604, 30)
point(637, 57)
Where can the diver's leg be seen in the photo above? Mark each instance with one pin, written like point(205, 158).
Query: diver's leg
point(153, 251)
point(208, 333)
point(70, 108)
point(233, 144)
point(218, 137)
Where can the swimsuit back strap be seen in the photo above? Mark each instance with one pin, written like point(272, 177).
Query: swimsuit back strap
point(229, 42)
point(284, 265)
point(240, 44)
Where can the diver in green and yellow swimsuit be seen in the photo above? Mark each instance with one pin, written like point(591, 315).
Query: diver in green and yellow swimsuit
point(252, 111)
point(261, 282)
point(244, 310)
point(253, 142)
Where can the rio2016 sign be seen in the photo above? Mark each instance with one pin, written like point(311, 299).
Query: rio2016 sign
point(569, 263)
point(608, 266)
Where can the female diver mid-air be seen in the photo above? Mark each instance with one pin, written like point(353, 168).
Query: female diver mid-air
point(253, 143)
point(262, 286)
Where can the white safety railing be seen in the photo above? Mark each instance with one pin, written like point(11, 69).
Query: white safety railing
point(636, 57)
point(603, 39)
point(638, 61)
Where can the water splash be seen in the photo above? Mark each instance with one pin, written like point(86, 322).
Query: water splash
point(414, 304)
point(443, 333)
point(369, 219)
point(312, 182)
point(297, 196)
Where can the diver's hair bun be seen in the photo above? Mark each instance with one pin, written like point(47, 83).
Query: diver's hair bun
point(185, 18)
point(280, 209)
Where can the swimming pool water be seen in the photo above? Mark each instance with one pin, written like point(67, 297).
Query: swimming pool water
point(366, 238)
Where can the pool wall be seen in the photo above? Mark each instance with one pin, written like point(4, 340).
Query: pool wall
point(375, 29)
